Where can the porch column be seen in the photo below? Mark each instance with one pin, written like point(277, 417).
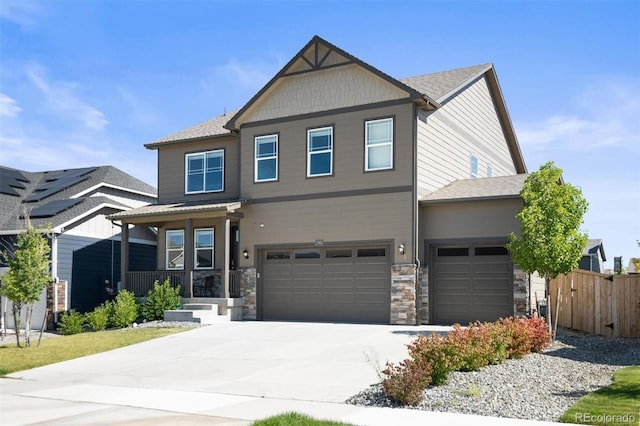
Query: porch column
point(227, 254)
point(188, 256)
point(124, 255)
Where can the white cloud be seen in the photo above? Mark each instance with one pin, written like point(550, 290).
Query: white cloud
point(25, 13)
point(8, 106)
point(249, 76)
point(604, 115)
point(63, 99)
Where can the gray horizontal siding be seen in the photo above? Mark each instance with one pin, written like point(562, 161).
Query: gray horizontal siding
point(467, 124)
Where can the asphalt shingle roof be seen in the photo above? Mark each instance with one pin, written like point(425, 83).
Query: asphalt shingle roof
point(13, 210)
point(473, 189)
point(206, 129)
point(440, 84)
point(436, 86)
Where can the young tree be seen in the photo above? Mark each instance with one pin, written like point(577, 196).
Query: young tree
point(27, 276)
point(550, 242)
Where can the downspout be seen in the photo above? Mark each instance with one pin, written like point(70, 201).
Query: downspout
point(54, 275)
point(414, 213)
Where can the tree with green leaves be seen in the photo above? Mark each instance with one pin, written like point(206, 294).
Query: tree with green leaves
point(27, 276)
point(551, 242)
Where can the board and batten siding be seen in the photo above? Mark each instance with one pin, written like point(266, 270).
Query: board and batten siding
point(348, 154)
point(349, 220)
point(466, 124)
point(171, 169)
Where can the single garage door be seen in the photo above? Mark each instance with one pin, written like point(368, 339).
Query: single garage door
point(337, 284)
point(472, 283)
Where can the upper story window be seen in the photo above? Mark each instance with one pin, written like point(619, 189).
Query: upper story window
point(320, 152)
point(203, 241)
point(175, 249)
point(205, 172)
point(378, 135)
point(266, 158)
point(474, 167)
point(489, 170)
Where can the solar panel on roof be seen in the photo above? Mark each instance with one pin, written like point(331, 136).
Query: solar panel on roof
point(11, 179)
point(59, 182)
point(53, 208)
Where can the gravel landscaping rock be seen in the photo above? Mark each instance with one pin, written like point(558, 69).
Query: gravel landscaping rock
point(538, 387)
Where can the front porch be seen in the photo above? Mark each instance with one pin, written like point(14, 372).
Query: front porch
point(197, 251)
point(193, 284)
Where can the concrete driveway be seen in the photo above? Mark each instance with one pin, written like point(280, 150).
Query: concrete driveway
point(304, 361)
point(232, 372)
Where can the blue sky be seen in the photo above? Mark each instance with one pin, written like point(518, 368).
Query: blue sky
point(86, 83)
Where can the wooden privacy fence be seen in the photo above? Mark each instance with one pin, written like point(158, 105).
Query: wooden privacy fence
point(597, 303)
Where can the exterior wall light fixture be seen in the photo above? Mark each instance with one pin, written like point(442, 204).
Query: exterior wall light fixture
point(245, 253)
point(401, 248)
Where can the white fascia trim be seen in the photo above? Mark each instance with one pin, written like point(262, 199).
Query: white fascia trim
point(59, 229)
point(108, 185)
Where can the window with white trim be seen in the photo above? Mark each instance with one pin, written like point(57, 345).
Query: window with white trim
point(378, 135)
point(474, 166)
point(204, 172)
point(266, 158)
point(175, 249)
point(489, 170)
point(320, 152)
point(203, 248)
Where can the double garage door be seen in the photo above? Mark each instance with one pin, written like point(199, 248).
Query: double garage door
point(336, 284)
point(471, 283)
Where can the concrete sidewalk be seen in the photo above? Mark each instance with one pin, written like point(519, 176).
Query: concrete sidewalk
point(226, 374)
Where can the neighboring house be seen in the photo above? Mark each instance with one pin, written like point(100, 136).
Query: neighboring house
point(339, 193)
point(85, 245)
point(593, 257)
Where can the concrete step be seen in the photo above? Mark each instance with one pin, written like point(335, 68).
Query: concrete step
point(203, 313)
point(200, 307)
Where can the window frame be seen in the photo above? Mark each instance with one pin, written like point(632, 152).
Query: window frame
point(310, 153)
point(379, 144)
point(256, 159)
point(489, 170)
point(204, 154)
point(166, 250)
point(474, 165)
point(196, 249)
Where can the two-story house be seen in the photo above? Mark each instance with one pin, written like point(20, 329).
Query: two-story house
point(339, 193)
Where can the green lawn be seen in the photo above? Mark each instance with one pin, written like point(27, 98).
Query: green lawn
point(617, 404)
point(56, 349)
point(296, 419)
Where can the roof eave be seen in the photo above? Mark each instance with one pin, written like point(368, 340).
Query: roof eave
point(470, 199)
point(156, 145)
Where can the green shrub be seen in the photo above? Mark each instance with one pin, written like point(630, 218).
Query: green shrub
point(405, 382)
point(161, 297)
point(475, 346)
point(436, 352)
point(98, 319)
point(71, 322)
point(125, 309)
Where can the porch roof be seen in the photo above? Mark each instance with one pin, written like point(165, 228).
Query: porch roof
point(176, 211)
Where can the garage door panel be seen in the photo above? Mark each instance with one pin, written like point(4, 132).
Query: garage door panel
point(457, 268)
point(491, 268)
point(372, 268)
